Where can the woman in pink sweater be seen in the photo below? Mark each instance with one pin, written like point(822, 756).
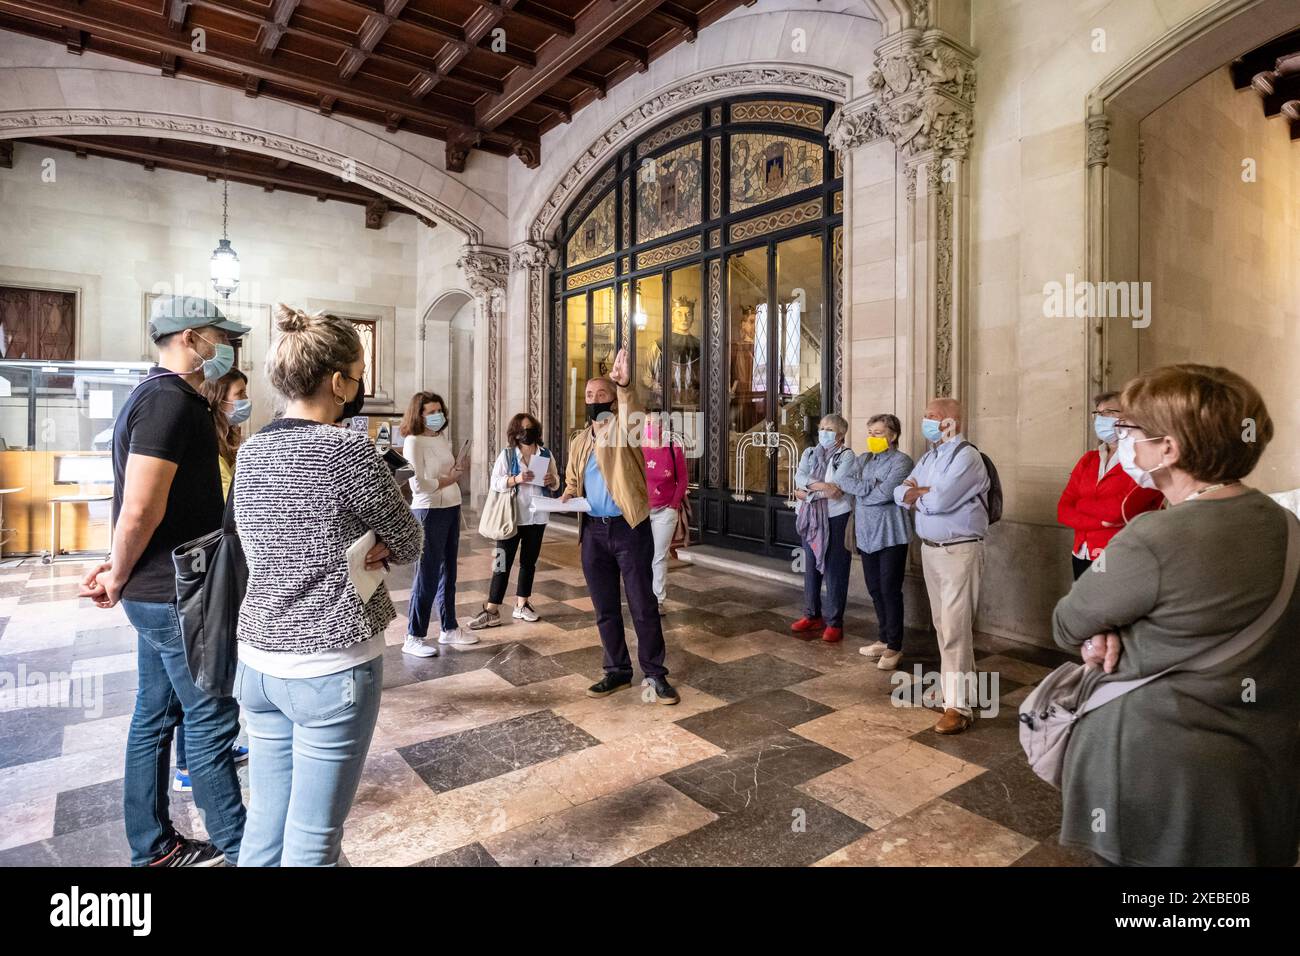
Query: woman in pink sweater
point(665, 478)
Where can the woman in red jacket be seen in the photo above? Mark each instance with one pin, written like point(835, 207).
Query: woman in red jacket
point(1100, 497)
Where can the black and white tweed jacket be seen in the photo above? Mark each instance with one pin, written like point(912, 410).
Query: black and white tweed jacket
point(304, 492)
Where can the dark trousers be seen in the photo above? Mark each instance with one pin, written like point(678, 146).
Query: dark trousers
point(1080, 565)
point(528, 542)
point(611, 548)
point(836, 576)
point(435, 579)
point(166, 693)
point(883, 571)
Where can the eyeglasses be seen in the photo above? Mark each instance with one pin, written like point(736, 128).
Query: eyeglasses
point(1106, 413)
point(1124, 429)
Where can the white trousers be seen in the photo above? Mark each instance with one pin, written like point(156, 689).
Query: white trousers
point(952, 580)
point(663, 521)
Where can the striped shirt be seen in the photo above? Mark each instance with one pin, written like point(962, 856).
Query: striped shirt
point(304, 493)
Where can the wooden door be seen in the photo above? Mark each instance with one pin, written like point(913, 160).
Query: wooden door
point(38, 324)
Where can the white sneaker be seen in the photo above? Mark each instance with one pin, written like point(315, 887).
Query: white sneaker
point(525, 613)
point(457, 636)
point(416, 647)
point(874, 650)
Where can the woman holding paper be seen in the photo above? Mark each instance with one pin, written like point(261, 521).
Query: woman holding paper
point(310, 670)
point(527, 467)
point(435, 499)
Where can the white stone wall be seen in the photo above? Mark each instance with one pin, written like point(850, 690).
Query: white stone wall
point(116, 232)
point(1222, 252)
point(1028, 374)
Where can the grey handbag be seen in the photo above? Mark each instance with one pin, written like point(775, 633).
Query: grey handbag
point(1049, 713)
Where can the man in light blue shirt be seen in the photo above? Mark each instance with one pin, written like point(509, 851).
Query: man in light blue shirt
point(947, 494)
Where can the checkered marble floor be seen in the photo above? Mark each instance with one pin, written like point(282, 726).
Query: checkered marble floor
point(782, 751)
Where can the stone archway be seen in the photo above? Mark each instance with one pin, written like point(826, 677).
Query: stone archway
point(1197, 46)
point(537, 252)
point(127, 103)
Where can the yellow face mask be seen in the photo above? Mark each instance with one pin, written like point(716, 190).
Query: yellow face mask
point(876, 445)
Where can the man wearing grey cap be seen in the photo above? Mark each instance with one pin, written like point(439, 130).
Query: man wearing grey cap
point(167, 491)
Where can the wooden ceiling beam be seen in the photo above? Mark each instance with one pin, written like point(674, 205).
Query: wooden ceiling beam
point(538, 15)
point(238, 167)
point(679, 19)
point(108, 19)
point(602, 21)
point(630, 52)
point(270, 31)
point(350, 57)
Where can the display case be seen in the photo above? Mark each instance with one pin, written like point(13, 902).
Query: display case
point(56, 467)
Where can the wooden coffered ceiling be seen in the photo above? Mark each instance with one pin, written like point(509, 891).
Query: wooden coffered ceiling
point(1273, 71)
point(220, 162)
point(486, 74)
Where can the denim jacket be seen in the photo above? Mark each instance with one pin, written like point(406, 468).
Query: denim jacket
point(877, 521)
point(843, 460)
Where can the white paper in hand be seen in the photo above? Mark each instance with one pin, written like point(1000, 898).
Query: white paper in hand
point(553, 505)
point(365, 581)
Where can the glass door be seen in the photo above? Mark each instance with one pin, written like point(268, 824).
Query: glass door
point(776, 327)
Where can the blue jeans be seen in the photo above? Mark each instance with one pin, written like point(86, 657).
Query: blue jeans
point(836, 576)
point(166, 693)
point(435, 578)
point(307, 744)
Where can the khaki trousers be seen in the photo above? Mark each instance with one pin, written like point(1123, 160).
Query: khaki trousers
point(952, 580)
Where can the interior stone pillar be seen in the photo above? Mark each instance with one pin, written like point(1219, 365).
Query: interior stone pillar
point(921, 98)
point(486, 269)
point(533, 258)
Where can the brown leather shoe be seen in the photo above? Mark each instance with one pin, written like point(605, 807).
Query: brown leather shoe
point(952, 722)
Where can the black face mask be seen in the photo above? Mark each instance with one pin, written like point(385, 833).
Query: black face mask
point(531, 436)
point(596, 409)
point(352, 408)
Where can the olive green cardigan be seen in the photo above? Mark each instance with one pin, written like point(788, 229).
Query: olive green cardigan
point(1193, 769)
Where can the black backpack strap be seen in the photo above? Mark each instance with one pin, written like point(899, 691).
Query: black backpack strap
point(228, 518)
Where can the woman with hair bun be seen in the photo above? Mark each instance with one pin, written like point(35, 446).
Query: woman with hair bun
point(311, 647)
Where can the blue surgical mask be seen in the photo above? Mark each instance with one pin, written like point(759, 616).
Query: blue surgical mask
point(243, 408)
point(435, 421)
point(931, 429)
point(220, 363)
point(826, 437)
point(1104, 426)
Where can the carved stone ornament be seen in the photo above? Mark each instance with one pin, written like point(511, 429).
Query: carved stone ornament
point(1098, 140)
point(485, 270)
point(532, 254)
point(253, 140)
point(921, 98)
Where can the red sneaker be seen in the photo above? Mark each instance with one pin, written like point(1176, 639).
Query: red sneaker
point(807, 624)
point(832, 634)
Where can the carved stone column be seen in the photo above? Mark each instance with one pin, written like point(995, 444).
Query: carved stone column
point(486, 269)
point(533, 257)
point(921, 98)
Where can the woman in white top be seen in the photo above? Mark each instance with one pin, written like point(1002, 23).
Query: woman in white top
point(435, 499)
point(518, 466)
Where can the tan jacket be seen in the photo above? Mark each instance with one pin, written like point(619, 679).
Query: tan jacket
point(619, 458)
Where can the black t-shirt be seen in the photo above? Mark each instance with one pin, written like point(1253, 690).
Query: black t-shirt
point(165, 418)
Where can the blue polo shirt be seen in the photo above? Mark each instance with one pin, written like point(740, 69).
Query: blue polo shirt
point(598, 496)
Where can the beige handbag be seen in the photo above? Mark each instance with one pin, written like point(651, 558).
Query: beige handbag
point(499, 521)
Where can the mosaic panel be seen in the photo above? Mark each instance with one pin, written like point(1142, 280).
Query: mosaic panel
point(591, 275)
point(595, 237)
point(766, 166)
point(669, 193)
point(668, 253)
point(782, 219)
point(806, 115)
